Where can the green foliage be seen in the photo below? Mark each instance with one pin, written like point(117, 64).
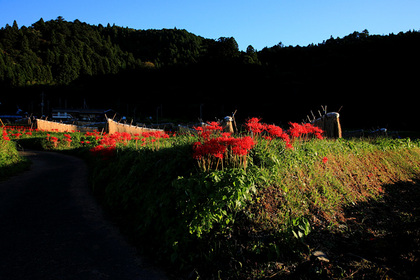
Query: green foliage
point(213, 198)
point(269, 208)
point(59, 52)
point(10, 161)
point(300, 227)
point(235, 222)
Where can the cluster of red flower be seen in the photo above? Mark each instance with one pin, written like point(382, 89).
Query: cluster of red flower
point(215, 144)
point(15, 132)
point(221, 146)
point(208, 129)
point(5, 135)
point(296, 130)
point(52, 139)
point(89, 137)
point(113, 139)
point(104, 152)
point(108, 143)
point(150, 137)
point(67, 139)
point(154, 134)
point(254, 126)
point(56, 140)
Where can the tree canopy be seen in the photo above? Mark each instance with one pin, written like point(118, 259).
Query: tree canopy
point(59, 52)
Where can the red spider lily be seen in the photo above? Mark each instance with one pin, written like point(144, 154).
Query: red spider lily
point(296, 130)
point(54, 140)
point(214, 126)
point(16, 135)
point(107, 145)
point(113, 139)
point(212, 147)
point(324, 159)
point(226, 134)
point(224, 147)
point(68, 139)
point(102, 151)
point(253, 125)
point(154, 134)
point(311, 129)
point(5, 136)
point(276, 131)
point(220, 146)
point(95, 133)
point(152, 137)
point(241, 146)
point(125, 136)
point(208, 129)
point(209, 126)
point(289, 146)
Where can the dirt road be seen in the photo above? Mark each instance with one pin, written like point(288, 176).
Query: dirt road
point(52, 228)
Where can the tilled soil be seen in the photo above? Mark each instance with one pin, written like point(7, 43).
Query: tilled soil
point(52, 228)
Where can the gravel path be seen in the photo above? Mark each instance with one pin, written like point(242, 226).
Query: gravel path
point(52, 228)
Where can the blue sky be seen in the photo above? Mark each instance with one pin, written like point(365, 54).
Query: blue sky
point(260, 23)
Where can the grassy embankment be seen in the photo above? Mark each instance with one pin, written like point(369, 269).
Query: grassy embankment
point(255, 215)
point(10, 161)
point(237, 222)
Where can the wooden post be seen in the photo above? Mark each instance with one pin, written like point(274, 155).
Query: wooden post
point(228, 124)
point(330, 123)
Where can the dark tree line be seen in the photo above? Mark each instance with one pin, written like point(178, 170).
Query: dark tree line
point(373, 77)
point(59, 52)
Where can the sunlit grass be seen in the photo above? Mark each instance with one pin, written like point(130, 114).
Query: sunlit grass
point(199, 217)
point(10, 161)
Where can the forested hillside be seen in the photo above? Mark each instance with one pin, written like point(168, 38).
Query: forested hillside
point(58, 52)
point(172, 73)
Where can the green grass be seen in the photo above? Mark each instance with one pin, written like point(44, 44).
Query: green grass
point(10, 161)
point(218, 223)
point(242, 223)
